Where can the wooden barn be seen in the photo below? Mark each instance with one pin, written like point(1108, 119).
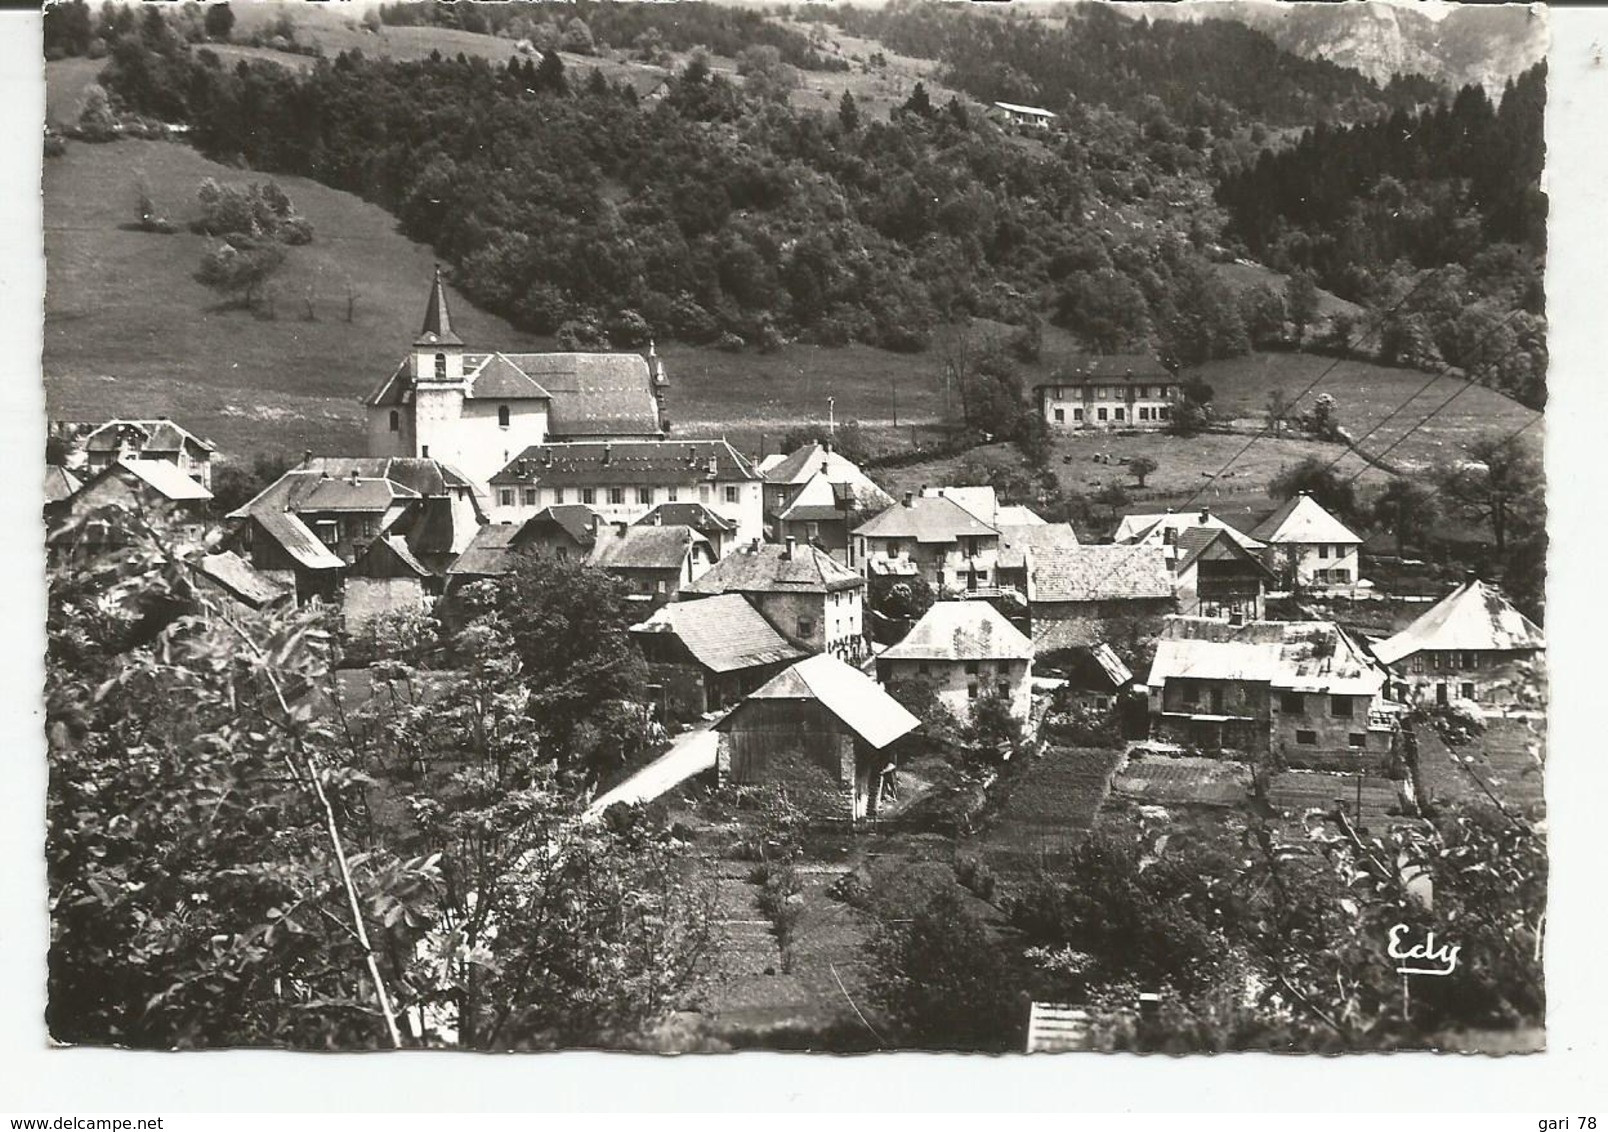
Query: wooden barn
point(823, 730)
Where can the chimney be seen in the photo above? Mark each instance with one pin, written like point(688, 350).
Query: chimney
point(353, 477)
point(608, 454)
point(828, 447)
point(547, 457)
point(792, 546)
point(753, 547)
point(714, 465)
point(658, 517)
point(909, 499)
point(1205, 515)
point(825, 467)
point(307, 458)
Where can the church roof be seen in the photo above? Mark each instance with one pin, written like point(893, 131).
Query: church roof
point(594, 394)
point(437, 329)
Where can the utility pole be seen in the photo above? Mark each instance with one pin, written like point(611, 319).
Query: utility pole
point(831, 417)
point(893, 382)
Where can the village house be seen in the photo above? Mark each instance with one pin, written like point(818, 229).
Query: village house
point(1019, 115)
point(1472, 648)
point(1095, 677)
point(625, 480)
point(656, 563)
point(567, 532)
point(707, 655)
point(817, 495)
point(934, 537)
point(721, 533)
point(821, 728)
point(1308, 547)
point(94, 448)
point(477, 410)
point(225, 575)
point(1214, 575)
point(962, 650)
point(1105, 393)
point(1301, 689)
point(1100, 593)
point(1022, 544)
point(132, 485)
point(311, 525)
point(1165, 529)
point(812, 599)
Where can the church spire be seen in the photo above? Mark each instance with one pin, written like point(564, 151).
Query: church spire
point(437, 320)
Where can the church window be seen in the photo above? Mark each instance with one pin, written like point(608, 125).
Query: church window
point(502, 416)
point(441, 367)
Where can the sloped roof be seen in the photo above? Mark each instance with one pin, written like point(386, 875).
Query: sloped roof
point(820, 461)
point(575, 519)
point(982, 501)
point(1041, 539)
point(421, 477)
point(1303, 520)
point(694, 515)
point(1111, 368)
point(352, 493)
point(644, 548)
point(1018, 515)
point(159, 435)
point(437, 328)
point(845, 691)
point(232, 572)
point(1474, 617)
point(925, 518)
point(1140, 528)
point(495, 377)
point(597, 463)
point(767, 568)
point(1213, 543)
point(1035, 111)
point(724, 634)
point(1100, 573)
point(962, 630)
point(594, 394)
point(386, 556)
point(489, 554)
point(59, 483)
point(1112, 665)
point(297, 540)
point(162, 477)
point(1297, 656)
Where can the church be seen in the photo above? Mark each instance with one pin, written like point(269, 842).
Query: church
point(478, 410)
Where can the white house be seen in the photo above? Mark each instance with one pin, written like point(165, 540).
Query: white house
point(931, 535)
point(477, 410)
point(1107, 393)
point(1307, 545)
point(963, 650)
point(1165, 530)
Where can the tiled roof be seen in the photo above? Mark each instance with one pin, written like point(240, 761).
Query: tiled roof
point(420, 476)
point(437, 328)
point(489, 554)
point(925, 519)
point(1472, 618)
point(819, 461)
point(1111, 368)
point(626, 462)
point(1299, 656)
point(496, 378)
point(1100, 573)
point(241, 579)
point(767, 568)
point(962, 630)
point(595, 394)
point(981, 500)
point(162, 477)
point(385, 556)
point(160, 435)
point(1302, 520)
point(1212, 543)
point(694, 515)
point(297, 540)
point(1041, 539)
point(59, 483)
point(1017, 515)
point(352, 493)
point(724, 634)
point(1141, 528)
point(644, 548)
point(575, 519)
point(842, 689)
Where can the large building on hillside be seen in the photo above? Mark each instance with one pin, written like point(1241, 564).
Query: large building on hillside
point(1472, 647)
point(477, 410)
point(1118, 392)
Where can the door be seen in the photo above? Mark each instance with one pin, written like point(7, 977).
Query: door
point(1440, 695)
point(1217, 701)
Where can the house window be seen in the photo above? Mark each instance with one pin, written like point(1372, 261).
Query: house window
point(923, 668)
point(1060, 416)
point(893, 550)
point(561, 552)
point(558, 495)
point(1077, 414)
point(396, 421)
point(1418, 662)
point(530, 497)
point(1144, 413)
point(1100, 414)
point(806, 626)
point(424, 451)
point(1468, 692)
point(1003, 687)
point(971, 668)
point(1292, 703)
point(971, 691)
point(588, 495)
point(441, 367)
point(1120, 411)
point(731, 494)
point(1340, 707)
point(672, 494)
point(1340, 577)
point(644, 495)
point(1307, 738)
point(616, 495)
point(1102, 703)
point(1356, 740)
point(659, 586)
point(506, 497)
point(1323, 550)
point(703, 493)
point(1471, 660)
point(1161, 413)
point(504, 418)
point(813, 530)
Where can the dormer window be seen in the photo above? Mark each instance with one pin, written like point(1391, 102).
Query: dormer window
point(502, 416)
point(396, 421)
point(441, 367)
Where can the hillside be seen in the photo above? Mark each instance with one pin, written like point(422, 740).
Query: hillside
point(1454, 44)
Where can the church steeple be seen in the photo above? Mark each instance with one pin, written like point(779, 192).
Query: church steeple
point(437, 330)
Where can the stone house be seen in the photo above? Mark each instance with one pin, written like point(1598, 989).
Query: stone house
point(962, 650)
point(707, 655)
point(656, 563)
point(1101, 593)
point(151, 487)
point(100, 446)
point(721, 533)
point(821, 728)
point(1165, 530)
point(1301, 689)
point(1471, 648)
point(807, 595)
point(818, 496)
point(1023, 544)
point(1105, 393)
point(932, 536)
